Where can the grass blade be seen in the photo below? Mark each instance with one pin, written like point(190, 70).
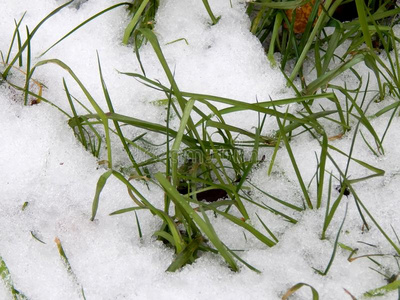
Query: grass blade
point(242, 261)
point(117, 127)
point(84, 23)
point(132, 24)
point(125, 210)
point(16, 31)
point(178, 140)
point(298, 286)
point(334, 246)
point(362, 19)
point(138, 225)
point(6, 276)
point(244, 225)
point(383, 290)
point(294, 164)
point(97, 108)
point(68, 266)
point(210, 13)
point(28, 67)
point(100, 185)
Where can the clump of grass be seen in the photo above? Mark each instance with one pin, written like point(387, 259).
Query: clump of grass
point(215, 162)
point(189, 230)
point(294, 44)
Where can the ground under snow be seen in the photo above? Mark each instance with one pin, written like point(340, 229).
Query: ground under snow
point(42, 163)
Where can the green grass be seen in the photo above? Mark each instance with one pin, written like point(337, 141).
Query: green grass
point(7, 280)
point(187, 224)
point(68, 266)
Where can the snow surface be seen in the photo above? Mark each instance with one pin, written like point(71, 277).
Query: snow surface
point(42, 163)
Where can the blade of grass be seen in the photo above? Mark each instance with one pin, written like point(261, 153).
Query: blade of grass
point(125, 210)
point(267, 229)
point(28, 67)
point(84, 23)
point(395, 247)
point(6, 276)
point(132, 24)
point(334, 246)
point(279, 213)
point(100, 185)
point(79, 124)
point(97, 108)
point(242, 261)
point(244, 225)
point(293, 289)
point(280, 5)
point(117, 127)
point(178, 140)
point(321, 166)
point(277, 25)
point(294, 164)
point(191, 142)
point(16, 31)
point(68, 266)
point(362, 19)
point(287, 204)
point(210, 13)
point(383, 290)
point(138, 225)
point(36, 238)
point(328, 76)
point(307, 46)
point(328, 202)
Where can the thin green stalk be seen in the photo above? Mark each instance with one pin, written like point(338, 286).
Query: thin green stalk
point(84, 23)
point(16, 31)
point(99, 111)
point(116, 124)
point(362, 19)
point(328, 203)
point(6, 276)
point(322, 164)
point(294, 164)
point(210, 13)
point(293, 289)
point(277, 25)
point(132, 24)
point(28, 67)
point(178, 141)
point(68, 266)
point(310, 40)
point(79, 124)
point(334, 246)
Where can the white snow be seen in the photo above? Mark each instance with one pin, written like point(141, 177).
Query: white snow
point(42, 163)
